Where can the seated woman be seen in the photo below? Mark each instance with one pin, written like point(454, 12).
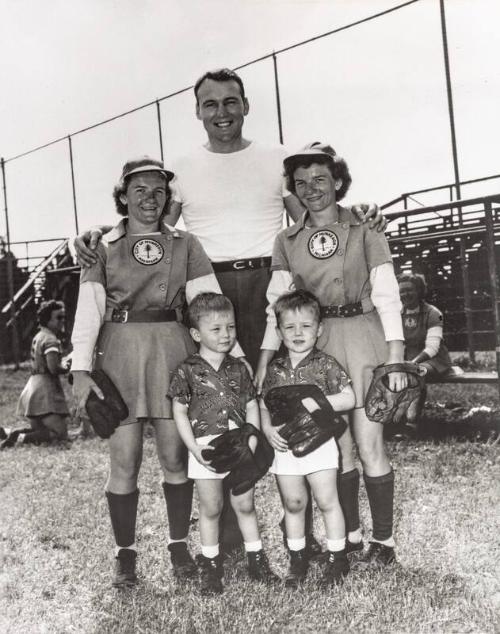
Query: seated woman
point(422, 327)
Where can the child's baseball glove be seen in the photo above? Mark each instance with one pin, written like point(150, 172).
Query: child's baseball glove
point(105, 414)
point(304, 431)
point(382, 405)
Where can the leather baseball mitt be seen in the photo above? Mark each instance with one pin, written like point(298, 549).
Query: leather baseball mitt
point(304, 431)
point(105, 414)
point(382, 405)
point(232, 453)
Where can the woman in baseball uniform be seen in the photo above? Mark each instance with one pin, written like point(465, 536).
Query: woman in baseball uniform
point(129, 323)
point(330, 253)
point(422, 327)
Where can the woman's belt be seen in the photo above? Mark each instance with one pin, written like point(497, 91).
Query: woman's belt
point(123, 316)
point(241, 265)
point(348, 310)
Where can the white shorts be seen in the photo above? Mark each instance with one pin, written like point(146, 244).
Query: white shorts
point(324, 457)
point(197, 471)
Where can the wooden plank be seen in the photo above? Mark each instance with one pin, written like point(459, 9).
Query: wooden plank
point(490, 378)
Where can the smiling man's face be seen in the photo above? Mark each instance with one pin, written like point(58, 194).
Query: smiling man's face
point(222, 110)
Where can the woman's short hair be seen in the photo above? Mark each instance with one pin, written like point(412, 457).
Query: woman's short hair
point(121, 187)
point(206, 303)
point(337, 166)
point(46, 309)
point(418, 282)
point(297, 300)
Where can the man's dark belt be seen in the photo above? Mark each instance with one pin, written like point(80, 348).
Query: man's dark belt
point(124, 316)
point(241, 265)
point(348, 310)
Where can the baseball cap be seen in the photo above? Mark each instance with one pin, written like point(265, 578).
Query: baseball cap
point(145, 164)
point(311, 149)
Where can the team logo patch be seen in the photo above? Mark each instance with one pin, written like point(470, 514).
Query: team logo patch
point(410, 322)
point(147, 251)
point(323, 244)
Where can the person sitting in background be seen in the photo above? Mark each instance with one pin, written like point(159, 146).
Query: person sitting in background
point(422, 327)
point(42, 400)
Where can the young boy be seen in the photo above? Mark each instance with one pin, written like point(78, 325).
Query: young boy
point(42, 400)
point(213, 392)
point(299, 326)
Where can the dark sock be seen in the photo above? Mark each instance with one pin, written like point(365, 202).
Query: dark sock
point(229, 531)
point(123, 514)
point(380, 492)
point(35, 437)
point(348, 487)
point(179, 499)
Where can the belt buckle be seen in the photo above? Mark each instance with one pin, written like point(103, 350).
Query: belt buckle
point(239, 265)
point(120, 316)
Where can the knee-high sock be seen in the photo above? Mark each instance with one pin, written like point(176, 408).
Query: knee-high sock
point(179, 499)
point(123, 513)
point(348, 487)
point(380, 492)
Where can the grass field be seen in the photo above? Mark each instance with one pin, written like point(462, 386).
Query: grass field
point(56, 546)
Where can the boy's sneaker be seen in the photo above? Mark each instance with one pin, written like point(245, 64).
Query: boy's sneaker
point(297, 570)
point(182, 562)
point(377, 556)
point(125, 576)
point(258, 568)
point(336, 568)
point(210, 575)
point(353, 547)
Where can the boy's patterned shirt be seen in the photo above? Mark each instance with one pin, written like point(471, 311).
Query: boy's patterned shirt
point(318, 368)
point(213, 396)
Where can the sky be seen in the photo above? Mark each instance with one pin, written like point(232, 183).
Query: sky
point(376, 92)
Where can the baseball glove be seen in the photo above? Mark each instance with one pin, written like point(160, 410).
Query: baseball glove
point(232, 453)
point(382, 405)
point(304, 431)
point(105, 414)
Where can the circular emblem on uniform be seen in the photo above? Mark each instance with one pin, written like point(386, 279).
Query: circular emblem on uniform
point(147, 251)
point(323, 244)
point(410, 322)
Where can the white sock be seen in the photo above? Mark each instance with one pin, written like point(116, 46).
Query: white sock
point(253, 547)
point(176, 541)
point(387, 542)
point(131, 547)
point(334, 545)
point(20, 439)
point(296, 544)
point(210, 551)
point(355, 536)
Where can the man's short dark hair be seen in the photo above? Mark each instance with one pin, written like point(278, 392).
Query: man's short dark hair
point(296, 300)
point(46, 309)
point(206, 303)
point(221, 74)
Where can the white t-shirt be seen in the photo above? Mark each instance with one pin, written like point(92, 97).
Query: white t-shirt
point(233, 203)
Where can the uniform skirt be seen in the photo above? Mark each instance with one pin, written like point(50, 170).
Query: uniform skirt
point(359, 345)
point(42, 395)
point(139, 358)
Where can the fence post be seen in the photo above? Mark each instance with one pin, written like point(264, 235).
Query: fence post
point(158, 116)
point(10, 273)
point(494, 283)
point(278, 101)
point(73, 181)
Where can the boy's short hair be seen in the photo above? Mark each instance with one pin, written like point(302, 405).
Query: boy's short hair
point(205, 303)
point(46, 309)
point(295, 301)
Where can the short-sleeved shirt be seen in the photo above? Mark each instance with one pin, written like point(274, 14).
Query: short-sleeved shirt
point(43, 342)
point(415, 327)
point(317, 368)
point(150, 271)
point(214, 397)
point(333, 261)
